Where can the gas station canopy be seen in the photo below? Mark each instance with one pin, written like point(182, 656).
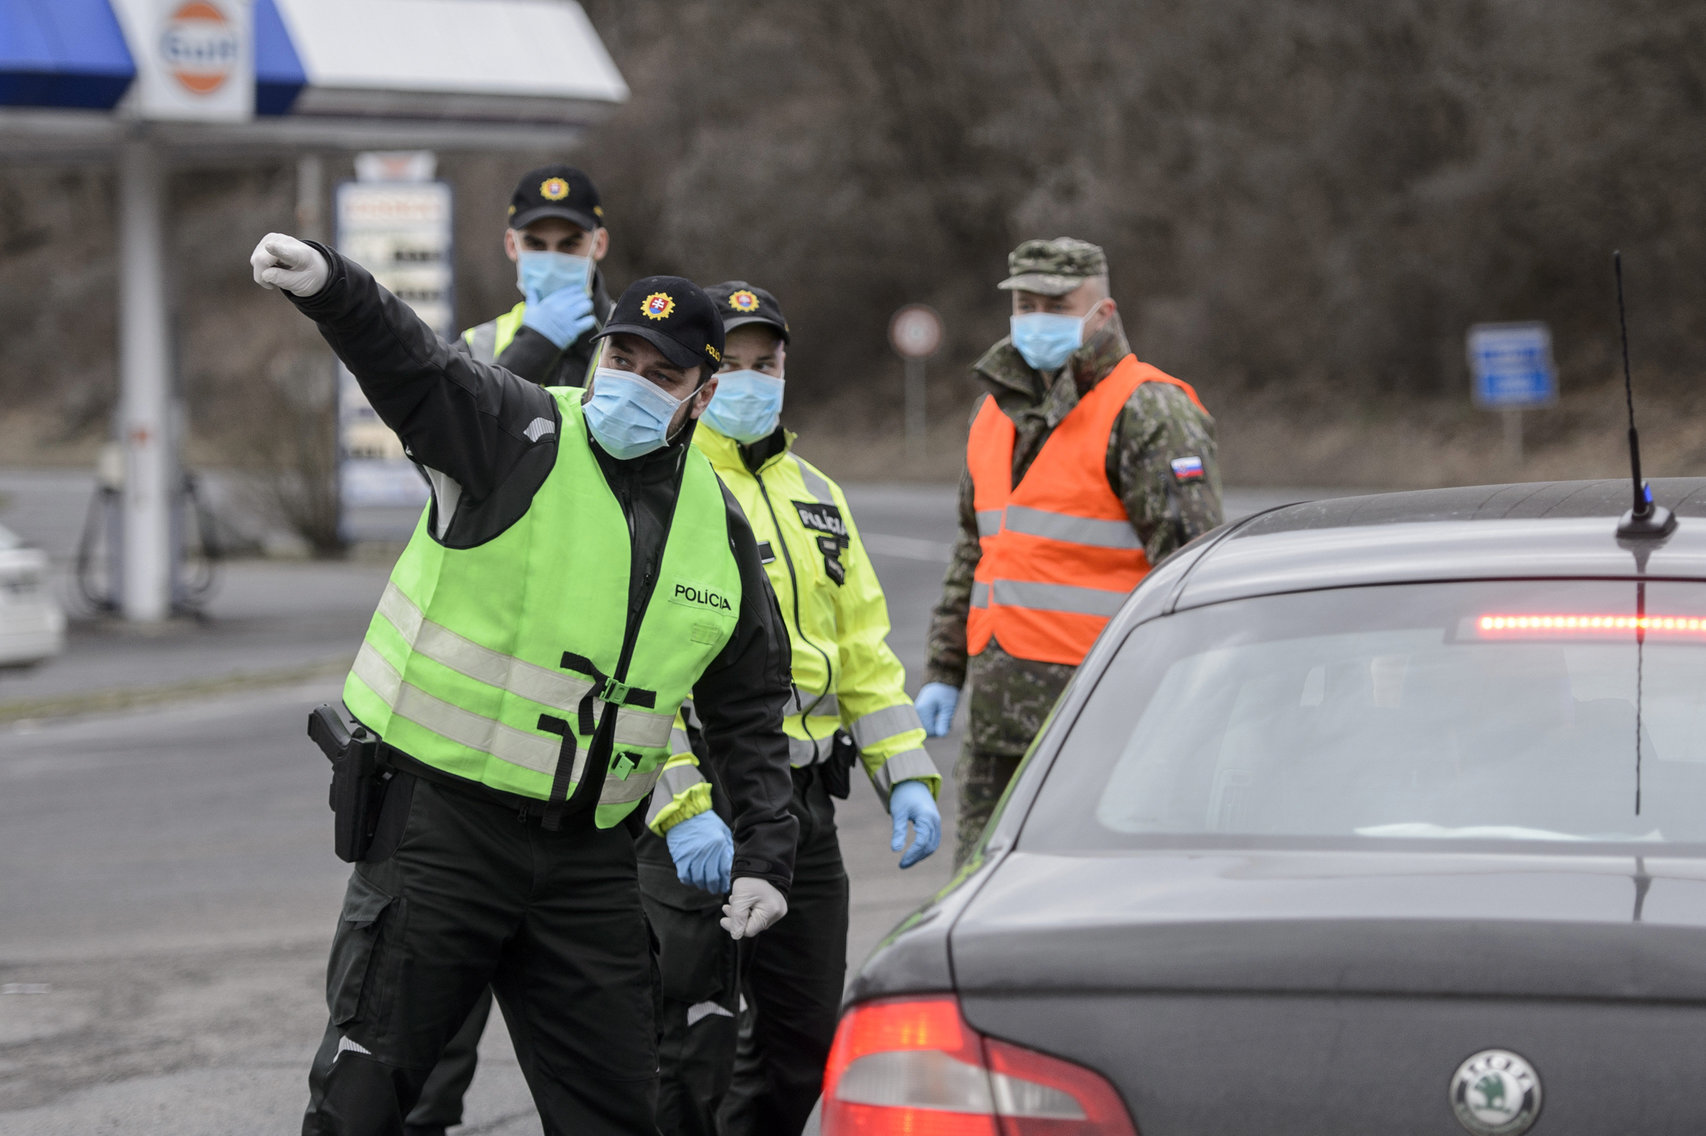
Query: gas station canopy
point(146, 84)
point(481, 74)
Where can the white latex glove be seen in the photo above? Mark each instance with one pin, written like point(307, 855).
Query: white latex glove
point(753, 905)
point(282, 261)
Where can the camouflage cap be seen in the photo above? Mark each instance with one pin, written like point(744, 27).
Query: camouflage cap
point(1053, 268)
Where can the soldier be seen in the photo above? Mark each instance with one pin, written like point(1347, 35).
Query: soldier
point(556, 237)
point(1084, 467)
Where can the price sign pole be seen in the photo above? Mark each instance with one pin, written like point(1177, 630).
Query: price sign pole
point(915, 333)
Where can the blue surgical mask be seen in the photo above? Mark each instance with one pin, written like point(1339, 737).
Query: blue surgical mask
point(539, 273)
point(1046, 339)
point(629, 415)
point(747, 405)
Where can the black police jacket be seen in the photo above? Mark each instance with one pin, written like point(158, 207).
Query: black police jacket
point(472, 428)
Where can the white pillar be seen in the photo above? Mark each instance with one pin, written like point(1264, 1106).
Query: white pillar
point(144, 363)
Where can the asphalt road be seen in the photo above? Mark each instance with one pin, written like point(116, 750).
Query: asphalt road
point(169, 890)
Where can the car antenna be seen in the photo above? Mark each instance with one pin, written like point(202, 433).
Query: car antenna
point(1646, 520)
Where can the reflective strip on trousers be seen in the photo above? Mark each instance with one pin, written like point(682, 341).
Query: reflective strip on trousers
point(1056, 597)
point(988, 522)
point(485, 735)
point(1069, 529)
point(882, 724)
point(644, 729)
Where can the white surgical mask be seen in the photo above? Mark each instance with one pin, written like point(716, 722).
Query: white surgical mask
point(538, 272)
point(747, 405)
point(628, 414)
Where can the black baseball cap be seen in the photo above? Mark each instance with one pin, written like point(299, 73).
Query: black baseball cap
point(555, 191)
point(739, 303)
point(673, 315)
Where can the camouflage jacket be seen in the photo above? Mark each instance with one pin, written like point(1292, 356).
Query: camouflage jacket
point(1159, 423)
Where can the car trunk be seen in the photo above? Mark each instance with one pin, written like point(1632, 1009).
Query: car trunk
point(1324, 993)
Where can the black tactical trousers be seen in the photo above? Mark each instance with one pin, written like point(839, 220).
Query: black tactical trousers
point(767, 1080)
point(697, 965)
point(473, 897)
point(440, 1106)
point(792, 979)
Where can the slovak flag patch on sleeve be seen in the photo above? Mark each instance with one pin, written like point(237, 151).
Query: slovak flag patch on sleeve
point(1187, 469)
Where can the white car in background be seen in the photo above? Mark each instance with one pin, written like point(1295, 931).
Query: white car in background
point(32, 624)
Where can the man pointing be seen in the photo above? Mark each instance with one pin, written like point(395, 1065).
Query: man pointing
point(523, 671)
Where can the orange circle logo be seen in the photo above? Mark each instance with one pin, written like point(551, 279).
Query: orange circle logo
point(743, 301)
point(553, 189)
point(658, 305)
point(199, 47)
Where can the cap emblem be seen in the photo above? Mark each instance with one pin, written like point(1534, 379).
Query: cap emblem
point(553, 189)
point(658, 306)
point(743, 301)
point(716, 356)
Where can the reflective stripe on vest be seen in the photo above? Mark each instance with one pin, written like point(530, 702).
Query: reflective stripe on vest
point(487, 341)
point(495, 663)
point(634, 727)
point(1058, 554)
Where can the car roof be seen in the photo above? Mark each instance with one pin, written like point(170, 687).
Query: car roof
point(1536, 530)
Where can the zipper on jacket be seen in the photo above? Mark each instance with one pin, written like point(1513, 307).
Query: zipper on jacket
point(794, 582)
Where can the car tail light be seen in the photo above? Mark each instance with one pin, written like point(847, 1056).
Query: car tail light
point(914, 1067)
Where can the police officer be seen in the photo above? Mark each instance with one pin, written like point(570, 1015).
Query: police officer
point(578, 574)
point(1084, 467)
point(849, 704)
point(556, 237)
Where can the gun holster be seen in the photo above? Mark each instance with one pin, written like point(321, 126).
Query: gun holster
point(358, 780)
point(837, 772)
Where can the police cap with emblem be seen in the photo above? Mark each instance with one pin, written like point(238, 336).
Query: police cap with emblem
point(555, 191)
point(739, 303)
point(673, 315)
point(1053, 268)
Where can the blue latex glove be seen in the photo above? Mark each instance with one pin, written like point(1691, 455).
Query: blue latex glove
point(703, 849)
point(561, 317)
point(911, 801)
point(935, 705)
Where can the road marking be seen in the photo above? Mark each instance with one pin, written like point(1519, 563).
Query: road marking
point(907, 548)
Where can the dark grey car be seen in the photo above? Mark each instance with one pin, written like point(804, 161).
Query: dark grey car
point(1375, 815)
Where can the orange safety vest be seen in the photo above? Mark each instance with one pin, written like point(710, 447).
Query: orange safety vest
point(1059, 555)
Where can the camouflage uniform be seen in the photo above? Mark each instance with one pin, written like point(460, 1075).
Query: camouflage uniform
point(1010, 697)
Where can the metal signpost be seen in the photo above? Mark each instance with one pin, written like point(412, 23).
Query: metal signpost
point(915, 332)
point(401, 232)
point(1511, 368)
point(195, 63)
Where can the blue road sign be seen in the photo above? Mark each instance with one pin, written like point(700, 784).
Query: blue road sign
point(1511, 365)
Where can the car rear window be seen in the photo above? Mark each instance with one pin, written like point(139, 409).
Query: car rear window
point(1561, 711)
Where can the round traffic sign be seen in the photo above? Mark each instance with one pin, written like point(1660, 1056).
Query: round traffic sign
point(915, 331)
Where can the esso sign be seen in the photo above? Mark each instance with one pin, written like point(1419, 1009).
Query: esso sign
point(200, 47)
point(915, 332)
